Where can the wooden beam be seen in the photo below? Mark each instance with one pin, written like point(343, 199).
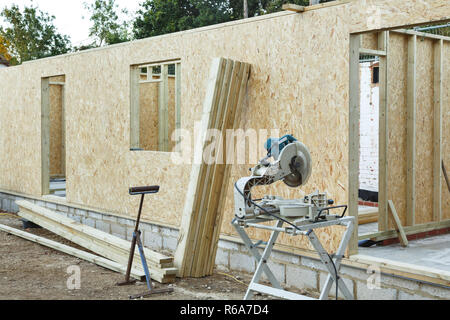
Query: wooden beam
point(371, 52)
point(354, 115)
point(411, 132)
point(399, 227)
point(293, 7)
point(437, 129)
point(383, 44)
point(163, 110)
point(134, 107)
point(63, 130)
point(178, 103)
point(108, 264)
point(418, 228)
point(45, 136)
point(422, 34)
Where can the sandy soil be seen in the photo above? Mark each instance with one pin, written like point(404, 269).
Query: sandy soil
point(31, 271)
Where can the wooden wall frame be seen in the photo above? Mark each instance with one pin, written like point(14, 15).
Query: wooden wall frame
point(384, 232)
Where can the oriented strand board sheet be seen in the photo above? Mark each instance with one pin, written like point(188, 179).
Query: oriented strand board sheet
point(148, 101)
point(56, 133)
point(446, 130)
point(298, 84)
point(424, 131)
point(148, 119)
point(397, 69)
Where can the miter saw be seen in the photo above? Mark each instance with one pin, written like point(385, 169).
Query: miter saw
point(291, 164)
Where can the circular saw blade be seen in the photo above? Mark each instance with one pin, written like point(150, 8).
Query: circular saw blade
point(300, 166)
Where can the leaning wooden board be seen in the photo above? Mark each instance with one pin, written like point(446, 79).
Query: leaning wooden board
point(201, 219)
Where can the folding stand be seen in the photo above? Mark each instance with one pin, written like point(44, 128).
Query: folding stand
point(306, 229)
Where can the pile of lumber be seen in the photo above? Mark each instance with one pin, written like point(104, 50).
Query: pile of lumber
point(202, 214)
point(104, 244)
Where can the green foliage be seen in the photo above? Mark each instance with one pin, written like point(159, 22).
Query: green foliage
point(106, 27)
point(31, 34)
point(158, 17)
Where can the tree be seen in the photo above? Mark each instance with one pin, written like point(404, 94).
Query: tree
point(5, 47)
point(106, 27)
point(158, 17)
point(31, 34)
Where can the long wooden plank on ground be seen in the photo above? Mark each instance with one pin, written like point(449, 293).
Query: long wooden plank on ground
point(91, 244)
point(94, 243)
point(402, 235)
point(111, 265)
point(113, 240)
point(200, 216)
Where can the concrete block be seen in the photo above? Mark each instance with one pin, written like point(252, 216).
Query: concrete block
point(436, 291)
point(62, 208)
point(406, 296)
point(301, 278)
point(152, 240)
point(170, 243)
point(169, 232)
point(81, 212)
point(72, 210)
point(398, 282)
point(6, 205)
point(118, 231)
point(222, 259)
point(278, 270)
point(94, 215)
point(228, 245)
point(242, 262)
point(355, 273)
point(14, 206)
point(103, 226)
point(75, 218)
point(284, 257)
point(109, 218)
point(50, 205)
point(313, 264)
point(348, 282)
point(364, 293)
point(88, 221)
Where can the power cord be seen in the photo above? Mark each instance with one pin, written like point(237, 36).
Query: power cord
point(293, 225)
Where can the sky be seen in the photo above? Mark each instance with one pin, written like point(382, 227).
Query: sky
point(69, 15)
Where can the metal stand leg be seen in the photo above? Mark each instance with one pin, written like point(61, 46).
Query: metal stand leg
point(326, 260)
point(262, 264)
point(254, 251)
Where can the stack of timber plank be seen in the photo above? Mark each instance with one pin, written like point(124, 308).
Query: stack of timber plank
point(102, 243)
point(202, 213)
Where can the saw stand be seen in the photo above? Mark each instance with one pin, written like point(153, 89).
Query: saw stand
point(305, 228)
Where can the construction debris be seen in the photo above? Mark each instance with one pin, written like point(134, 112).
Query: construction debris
point(102, 243)
point(72, 251)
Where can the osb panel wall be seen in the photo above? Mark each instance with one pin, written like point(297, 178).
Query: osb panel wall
point(397, 69)
point(149, 107)
point(446, 130)
point(397, 73)
point(299, 84)
point(56, 100)
point(148, 119)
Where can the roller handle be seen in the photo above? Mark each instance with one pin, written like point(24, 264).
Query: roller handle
point(144, 190)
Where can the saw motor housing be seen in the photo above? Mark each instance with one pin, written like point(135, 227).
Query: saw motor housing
point(292, 165)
